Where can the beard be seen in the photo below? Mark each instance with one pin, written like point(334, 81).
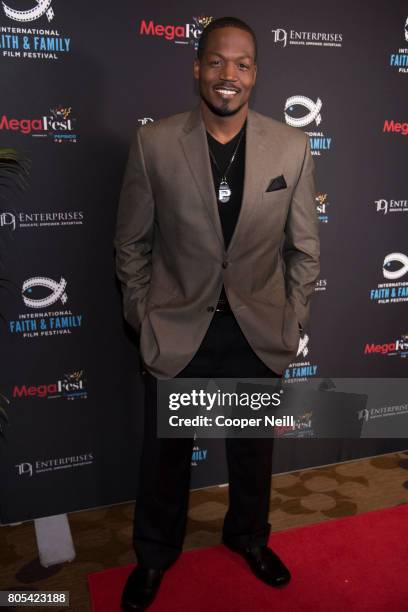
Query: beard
point(222, 111)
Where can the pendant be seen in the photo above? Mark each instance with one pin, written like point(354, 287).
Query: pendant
point(224, 192)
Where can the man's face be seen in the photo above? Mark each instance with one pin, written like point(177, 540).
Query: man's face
point(226, 72)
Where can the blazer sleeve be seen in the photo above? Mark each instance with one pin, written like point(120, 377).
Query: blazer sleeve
point(134, 235)
point(301, 248)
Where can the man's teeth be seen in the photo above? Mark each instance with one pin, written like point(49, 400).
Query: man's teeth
point(227, 92)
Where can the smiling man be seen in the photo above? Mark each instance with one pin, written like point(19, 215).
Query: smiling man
point(217, 254)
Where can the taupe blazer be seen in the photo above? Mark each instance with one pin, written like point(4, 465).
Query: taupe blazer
point(170, 254)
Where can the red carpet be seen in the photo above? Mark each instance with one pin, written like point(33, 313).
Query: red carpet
point(355, 564)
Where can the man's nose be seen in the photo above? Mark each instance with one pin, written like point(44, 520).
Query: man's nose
point(228, 72)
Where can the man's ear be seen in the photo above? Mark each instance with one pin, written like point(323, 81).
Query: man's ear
point(255, 72)
point(196, 68)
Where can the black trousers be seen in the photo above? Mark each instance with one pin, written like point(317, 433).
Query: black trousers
point(164, 481)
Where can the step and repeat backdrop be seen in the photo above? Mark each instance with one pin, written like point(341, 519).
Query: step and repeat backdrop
point(76, 79)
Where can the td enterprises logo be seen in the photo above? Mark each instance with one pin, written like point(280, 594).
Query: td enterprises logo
point(29, 42)
point(181, 34)
point(321, 285)
point(301, 112)
point(306, 39)
point(390, 206)
point(38, 293)
point(399, 59)
point(71, 386)
point(145, 120)
point(22, 220)
point(395, 266)
point(28, 468)
point(301, 370)
point(382, 412)
point(394, 348)
point(59, 125)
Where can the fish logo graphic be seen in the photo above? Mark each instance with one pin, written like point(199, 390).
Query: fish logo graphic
point(43, 7)
point(314, 109)
point(389, 260)
point(57, 292)
point(302, 349)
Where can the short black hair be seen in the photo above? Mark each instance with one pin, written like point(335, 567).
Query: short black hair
point(224, 22)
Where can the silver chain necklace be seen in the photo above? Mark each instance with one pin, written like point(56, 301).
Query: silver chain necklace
point(224, 190)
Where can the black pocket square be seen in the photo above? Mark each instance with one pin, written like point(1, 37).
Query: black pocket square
point(277, 183)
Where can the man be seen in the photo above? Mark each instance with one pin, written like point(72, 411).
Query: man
point(217, 253)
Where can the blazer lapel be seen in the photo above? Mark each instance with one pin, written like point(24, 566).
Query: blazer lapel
point(194, 143)
point(257, 162)
point(259, 149)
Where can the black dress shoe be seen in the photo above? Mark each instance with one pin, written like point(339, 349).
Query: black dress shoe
point(141, 588)
point(265, 564)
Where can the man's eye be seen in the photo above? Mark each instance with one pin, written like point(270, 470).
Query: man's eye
point(244, 66)
point(214, 62)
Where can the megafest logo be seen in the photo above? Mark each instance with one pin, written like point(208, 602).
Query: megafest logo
point(302, 427)
point(285, 37)
point(39, 293)
point(59, 125)
point(322, 206)
point(40, 466)
point(395, 267)
point(399, 59)
point(395, 127)
point(301, 112)
point(302, 369)
point(22, 220)
point(71, 386)
point(180, 34)
point(27, 42)
point(391, 348)
point(390, 206)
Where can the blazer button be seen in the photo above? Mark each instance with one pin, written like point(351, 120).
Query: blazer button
point(225, 264)
point(210, 308)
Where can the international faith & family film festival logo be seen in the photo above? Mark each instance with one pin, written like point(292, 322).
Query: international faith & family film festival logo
point(301, 112)
point(398, 59)
point(199, 454)
point(392, 290)
point(59, 125)
point(30, 31)
point(180, 34)
point(301, 369)
point(38, 294)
